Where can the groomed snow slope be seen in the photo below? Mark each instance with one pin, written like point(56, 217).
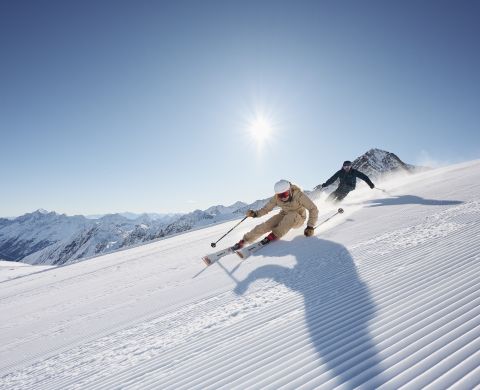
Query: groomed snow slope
point(384, 296)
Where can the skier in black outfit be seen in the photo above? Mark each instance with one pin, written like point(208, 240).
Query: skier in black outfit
point(348, 180)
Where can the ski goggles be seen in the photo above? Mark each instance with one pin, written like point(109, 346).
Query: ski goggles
point(284, 195)
point(347, 166)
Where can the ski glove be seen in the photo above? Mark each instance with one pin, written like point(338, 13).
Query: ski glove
point(372, 186)
point(309, 231)
point(251, 213)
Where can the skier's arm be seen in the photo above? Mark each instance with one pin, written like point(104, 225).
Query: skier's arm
point(332, 179)
point(267, 208)
point(364, 177)
point(306, 202)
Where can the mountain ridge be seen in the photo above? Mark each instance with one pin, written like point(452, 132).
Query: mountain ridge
point(44, 237)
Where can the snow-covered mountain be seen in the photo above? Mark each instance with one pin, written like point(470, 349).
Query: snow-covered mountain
point(376, 163)
point(219, 209)
point(4, 222)
point(35, 231)
point(383, 296)
point(49, 238)
point(165, 218)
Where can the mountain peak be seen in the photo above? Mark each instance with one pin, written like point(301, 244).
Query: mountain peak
point(40, 213)
point(376, 162)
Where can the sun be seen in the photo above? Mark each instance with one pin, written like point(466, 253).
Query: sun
point(260, 129)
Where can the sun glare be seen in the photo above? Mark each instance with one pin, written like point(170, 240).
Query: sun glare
point(261, 129)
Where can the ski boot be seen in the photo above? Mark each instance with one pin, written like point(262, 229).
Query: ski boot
point(267, 239)
point(239, 245)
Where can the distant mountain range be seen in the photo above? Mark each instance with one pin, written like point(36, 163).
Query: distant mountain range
point(44, 237)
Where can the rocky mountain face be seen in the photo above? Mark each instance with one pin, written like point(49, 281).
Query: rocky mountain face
point(377, 162)
point(35, 231)
point(45, 237)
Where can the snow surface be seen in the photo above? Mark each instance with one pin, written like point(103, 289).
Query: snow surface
point(14, 269)
point(385, 296)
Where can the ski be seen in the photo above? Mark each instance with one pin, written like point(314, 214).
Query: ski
point(252, 248)
point(213, 257)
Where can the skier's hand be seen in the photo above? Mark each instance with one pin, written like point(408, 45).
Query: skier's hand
point(251, 213)
point(309, 231)
point(372, 186)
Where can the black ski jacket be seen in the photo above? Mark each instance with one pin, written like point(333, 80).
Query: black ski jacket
point(348, 179)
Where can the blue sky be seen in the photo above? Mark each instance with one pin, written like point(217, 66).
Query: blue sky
point(146, 106)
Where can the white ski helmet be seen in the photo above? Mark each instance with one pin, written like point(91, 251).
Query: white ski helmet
point(282, 186)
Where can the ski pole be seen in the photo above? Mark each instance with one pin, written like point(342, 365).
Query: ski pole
point(339, 211)
point(381, 189)
point(214, 244)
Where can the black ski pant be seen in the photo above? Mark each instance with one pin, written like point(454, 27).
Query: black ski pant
point(339, 194)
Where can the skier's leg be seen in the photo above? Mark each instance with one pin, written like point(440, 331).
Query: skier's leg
point(263, 228)
point(339, 194)
point(333, 196)
point(289, 221)
point(342, 195)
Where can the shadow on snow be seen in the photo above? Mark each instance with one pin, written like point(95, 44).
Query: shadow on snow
point(338, 305)
point(411, 199)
